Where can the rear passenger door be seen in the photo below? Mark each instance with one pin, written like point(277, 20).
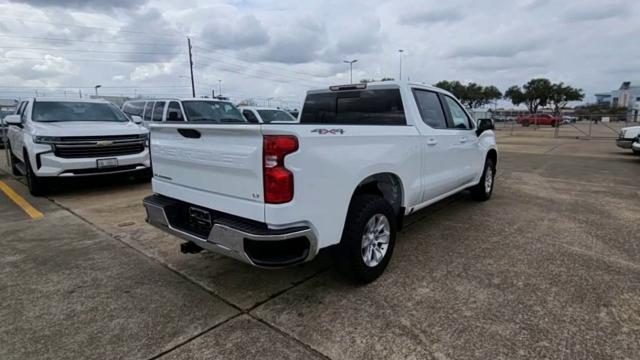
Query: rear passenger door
point(158, 111)
point(439, 172)
point(468, 157)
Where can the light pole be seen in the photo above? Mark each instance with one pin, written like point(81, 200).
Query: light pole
point(350, 62)
point(219, 87)
point(97, 87)
point(400, 51)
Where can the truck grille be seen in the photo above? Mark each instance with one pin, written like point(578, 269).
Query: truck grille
point(99, 146)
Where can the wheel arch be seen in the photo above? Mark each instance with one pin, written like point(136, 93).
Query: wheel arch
point(387, 185)
point(493, 155)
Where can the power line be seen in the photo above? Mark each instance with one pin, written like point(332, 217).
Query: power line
point(83, 60)
point(119, 29)
point(271, 65)
point(90, 51)
point(81, 41)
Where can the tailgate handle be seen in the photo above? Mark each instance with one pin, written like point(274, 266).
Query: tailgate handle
point(190, 133)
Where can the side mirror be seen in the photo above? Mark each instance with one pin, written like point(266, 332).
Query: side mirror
point(484, 125)
point(136, 119)
point(12, 120)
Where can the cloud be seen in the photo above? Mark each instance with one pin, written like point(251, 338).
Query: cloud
point(84, 4)
point(597, 12)
point(236, 33)
point(505, 49)
point(299, 42)
point(431, 16)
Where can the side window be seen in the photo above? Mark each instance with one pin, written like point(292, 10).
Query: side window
point(147, 111)
point(430, 108)
point(133, 108)
point(174, 113)
point(459, 119)
point(20, 108)
point(157, 111)
point(251, 117)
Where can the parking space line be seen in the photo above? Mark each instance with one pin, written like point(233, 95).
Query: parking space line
point(20, 201)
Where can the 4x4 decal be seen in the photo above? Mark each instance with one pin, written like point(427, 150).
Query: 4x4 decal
point(328, 131)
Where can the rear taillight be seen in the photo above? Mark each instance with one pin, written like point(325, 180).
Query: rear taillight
point(278, 181)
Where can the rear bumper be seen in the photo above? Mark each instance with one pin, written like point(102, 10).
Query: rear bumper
point(242, 239)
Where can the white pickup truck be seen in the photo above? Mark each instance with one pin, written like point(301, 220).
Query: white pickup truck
point(361, 158)
point(627, 137)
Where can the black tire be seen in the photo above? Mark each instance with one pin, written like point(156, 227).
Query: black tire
point(144, 176)
point(482, 192)
point(637, 152)
point(37, 185)
point(13, 160)
point(348, 256)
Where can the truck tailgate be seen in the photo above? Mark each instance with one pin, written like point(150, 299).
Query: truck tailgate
point(212, 165)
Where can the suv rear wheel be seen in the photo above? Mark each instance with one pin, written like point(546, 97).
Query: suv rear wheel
point(368, 239)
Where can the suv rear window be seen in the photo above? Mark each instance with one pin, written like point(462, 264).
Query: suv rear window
point(362, 107)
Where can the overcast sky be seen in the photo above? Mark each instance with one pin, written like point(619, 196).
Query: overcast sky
point(280, 49)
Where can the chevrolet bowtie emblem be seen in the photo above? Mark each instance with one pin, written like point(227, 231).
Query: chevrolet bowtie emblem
point(104, 143)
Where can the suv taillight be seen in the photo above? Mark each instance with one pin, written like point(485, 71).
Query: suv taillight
point(278, 181)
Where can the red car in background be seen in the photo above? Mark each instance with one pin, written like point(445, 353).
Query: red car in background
point(538, 119)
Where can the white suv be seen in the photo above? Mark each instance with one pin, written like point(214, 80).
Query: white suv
point(180, 110)
point(627, 137)
point(51, 138)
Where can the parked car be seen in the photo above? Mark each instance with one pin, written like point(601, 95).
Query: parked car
point(538, 119)
point(7, 107)
point(636, 146)
point(187, 109)
point(265, 115)
point(362, 157)
point(58, 138)
point(627, 136)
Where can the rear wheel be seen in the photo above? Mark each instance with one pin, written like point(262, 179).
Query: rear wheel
point(483, 190)
point(368, 239)
point(37, 185)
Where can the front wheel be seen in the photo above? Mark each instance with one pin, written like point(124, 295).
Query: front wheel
point(37, 185)
point(483, 190)
point(13, 161)
point(368, 239)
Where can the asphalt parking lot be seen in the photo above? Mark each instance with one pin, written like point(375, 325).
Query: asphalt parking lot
point(549, 268)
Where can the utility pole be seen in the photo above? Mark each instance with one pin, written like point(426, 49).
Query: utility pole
point(212, 94)
point(219, 87)
point(193, 86)
point(350, 62)
point(80, 93)
point(400, 51)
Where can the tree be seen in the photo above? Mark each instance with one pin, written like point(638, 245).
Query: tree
point(562, 94)
point(533, 94)
point(471, 95)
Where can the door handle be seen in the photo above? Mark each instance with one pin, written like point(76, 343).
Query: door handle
point(432, 141)
point(463, 139)
point(190, 133)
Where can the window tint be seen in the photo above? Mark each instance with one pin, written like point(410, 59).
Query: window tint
point(133, 108)
point(174, 113)
point(250, 116)
point(275, 116)
point(366, 107)
point(147, 111)
point(430, 109)
point(459, 118)
point(157, 111)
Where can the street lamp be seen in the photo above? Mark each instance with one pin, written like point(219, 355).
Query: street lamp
point(400, 51)
point(97, 87)
point(350, 62)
